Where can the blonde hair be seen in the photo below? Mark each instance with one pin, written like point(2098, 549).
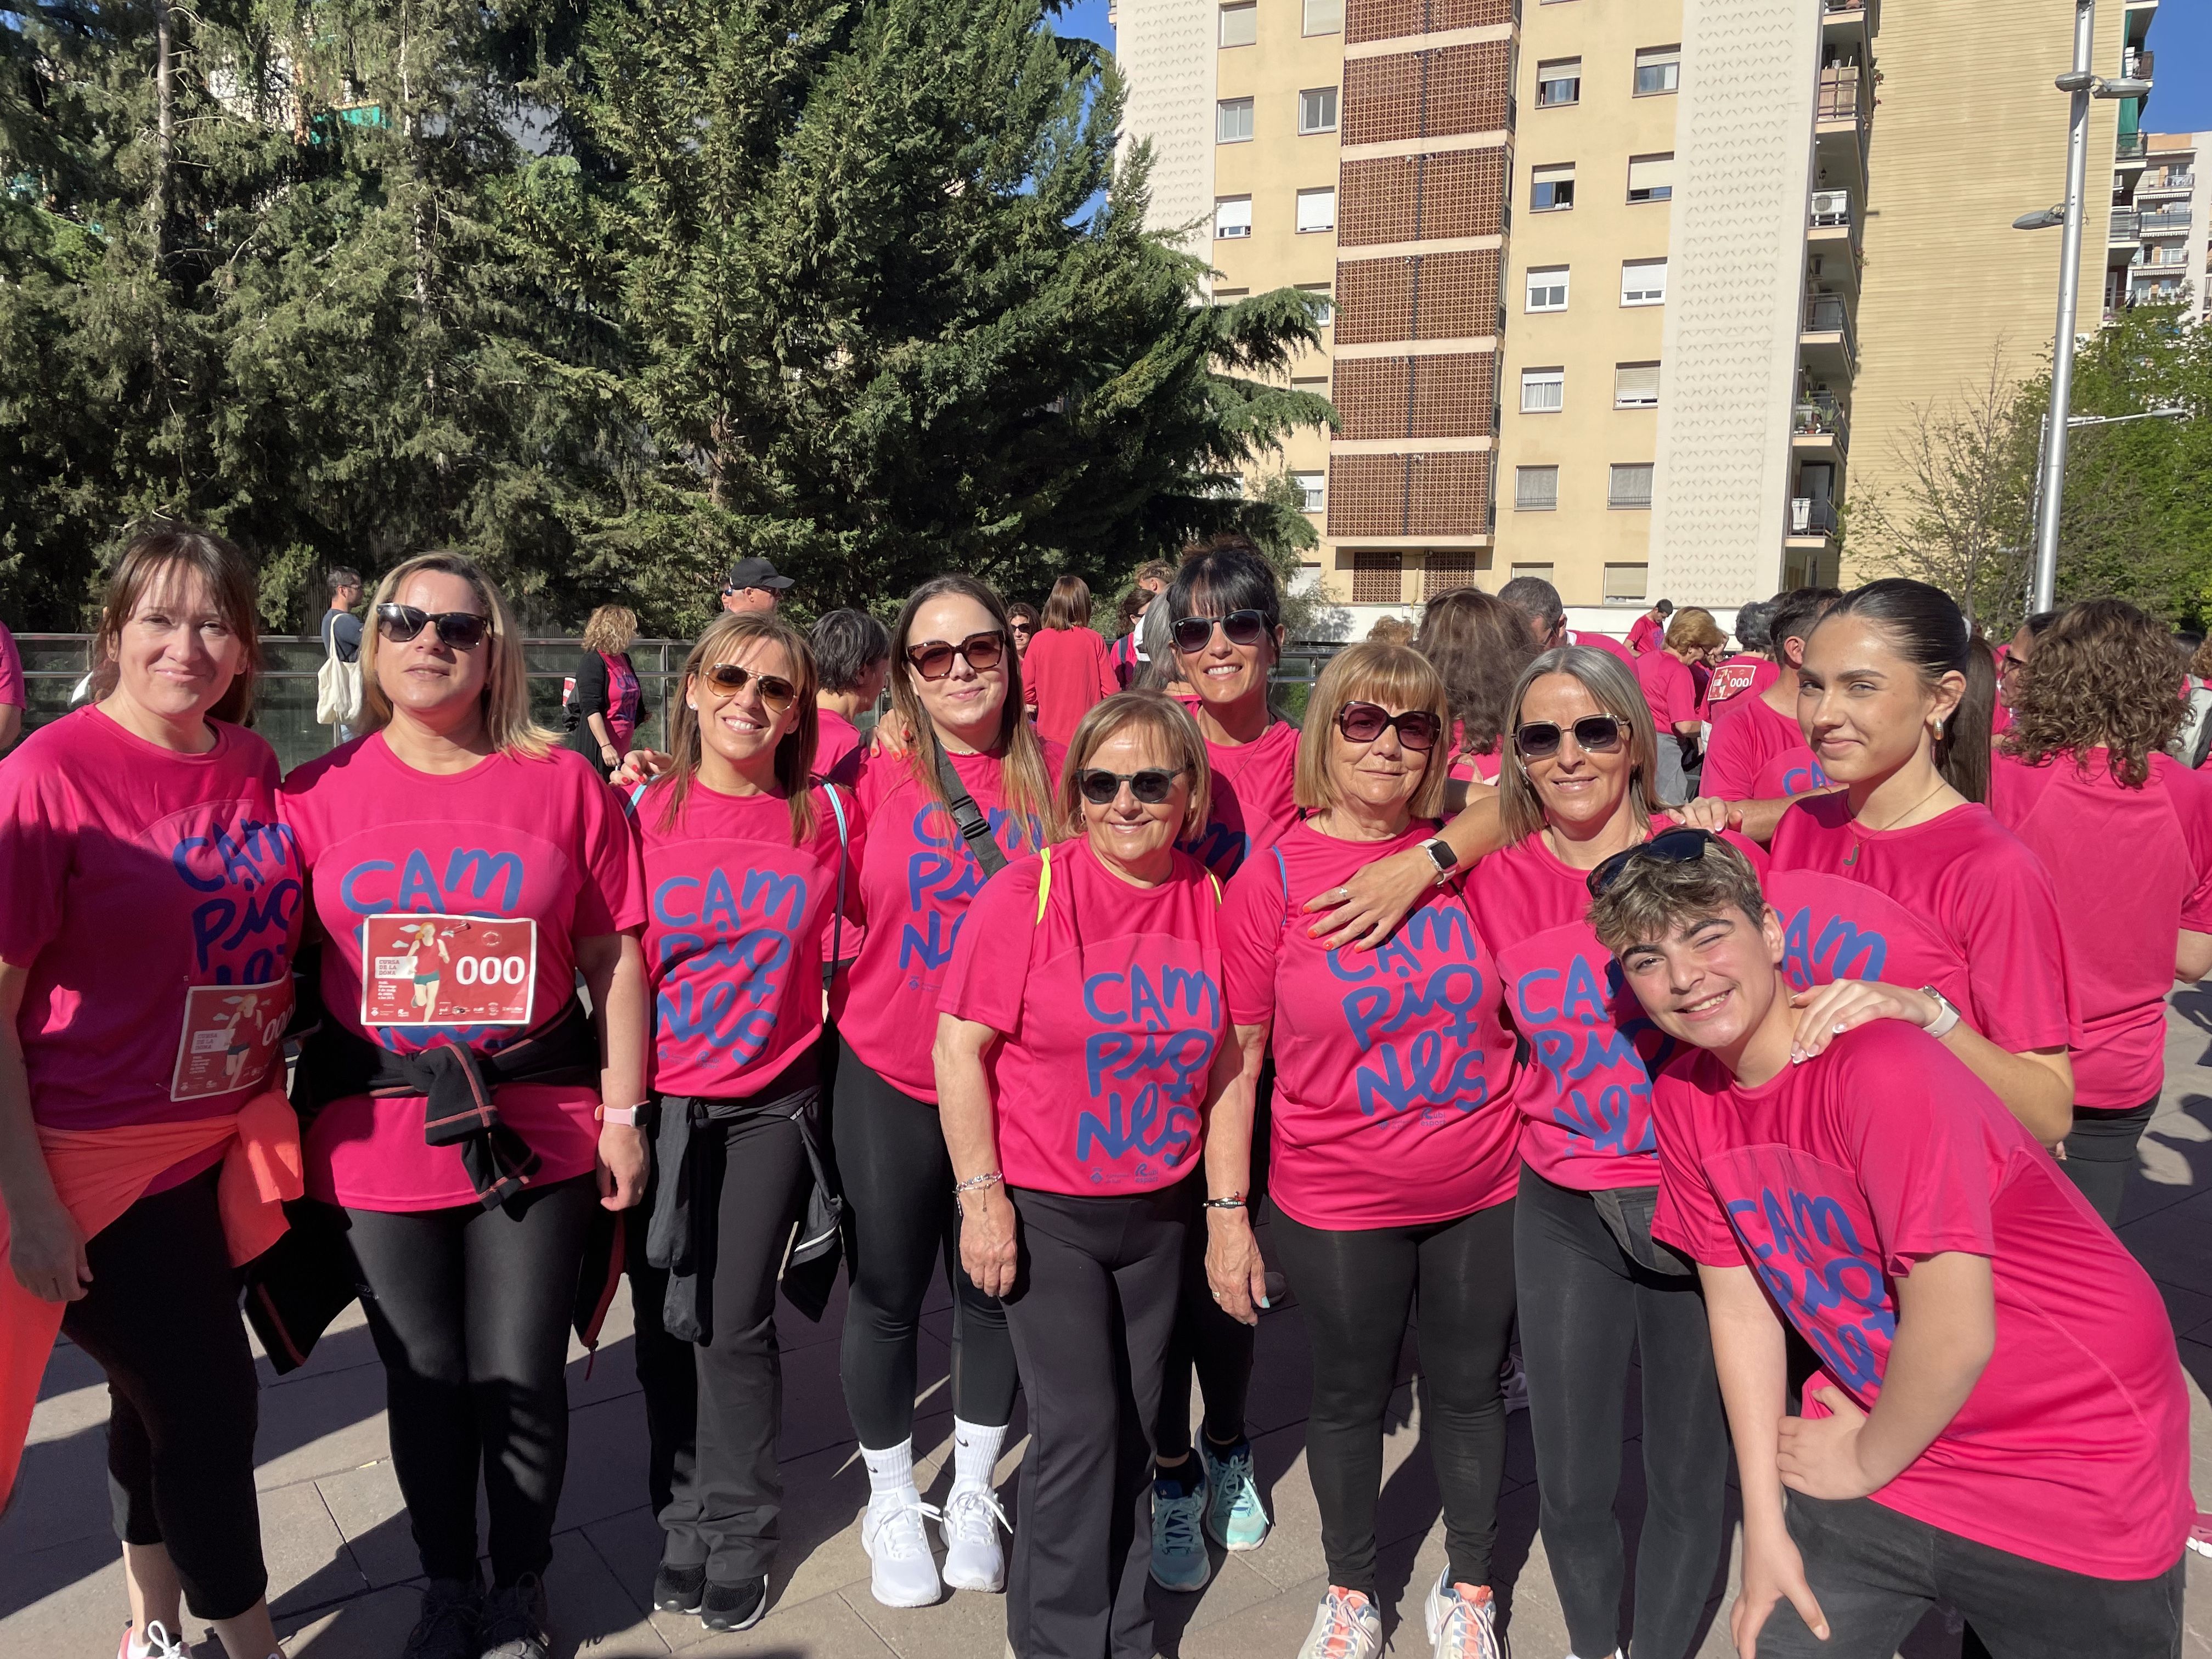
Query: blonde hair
point(794, 753)
point(508, 723)
point(1694, 629)
point(611, 630)
point(1375, 671)
point(1521, 810)
point(1148, 711)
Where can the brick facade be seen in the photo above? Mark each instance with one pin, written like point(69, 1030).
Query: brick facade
point(1427, 94)
point(1433, 296)
point(1404, 198)
point(1446, 495)
point(1450, 395)
point(1387, 20)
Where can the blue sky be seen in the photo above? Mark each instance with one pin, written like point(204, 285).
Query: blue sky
point(1086, 19)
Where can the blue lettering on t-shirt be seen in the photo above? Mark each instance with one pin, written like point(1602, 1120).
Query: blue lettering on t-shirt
point(1826, 1280)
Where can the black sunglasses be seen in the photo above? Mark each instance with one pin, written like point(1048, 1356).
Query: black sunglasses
point(1681, 845)
point(464, 631)
point(1363, 722)
point(1152, 786)
point(934, 661)
point(776, 692)
point(1600, 734)
point(1193, 633)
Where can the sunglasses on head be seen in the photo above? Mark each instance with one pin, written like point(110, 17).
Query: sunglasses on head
point(1600, 734)
point(1363, 722)
point(1681, 845)
point(464, 631)
point(776, 693)
point(933, 660)
point(1152, 786)
point(1241, 627)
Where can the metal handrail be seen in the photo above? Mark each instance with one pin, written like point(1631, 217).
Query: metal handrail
point(2126, 225)
point(2163, 220)
point(1840, 98)
point(1811, 516)
point(1827, 313)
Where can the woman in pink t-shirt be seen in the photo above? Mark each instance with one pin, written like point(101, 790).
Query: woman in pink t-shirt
point(1479, 644)
point(1066, 663)
point(746, 865)
point(1396, 1132)
point(150, 894)
point(466, 1115)
point(853, 656)
point(974, 765)
point(2082, 776)
point(1895, 697)
point(1667, 672)
point(1080, 1047)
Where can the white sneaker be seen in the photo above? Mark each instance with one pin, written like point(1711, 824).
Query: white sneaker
point(901, 1572)
point(973, 1558)
point(156, 1644)
point(1346, 1627)
point(1462, 1620)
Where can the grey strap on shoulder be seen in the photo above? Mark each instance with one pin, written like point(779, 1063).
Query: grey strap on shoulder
point(975, 827)
point(837, 916)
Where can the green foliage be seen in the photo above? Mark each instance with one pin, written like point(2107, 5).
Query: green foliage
point(606, 293)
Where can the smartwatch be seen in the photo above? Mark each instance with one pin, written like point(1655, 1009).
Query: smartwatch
point(634, 1116)
point(1947, 1013)
point(1441, 854)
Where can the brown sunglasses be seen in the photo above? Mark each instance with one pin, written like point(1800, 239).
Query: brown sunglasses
point(776, 693)
point(932, 660)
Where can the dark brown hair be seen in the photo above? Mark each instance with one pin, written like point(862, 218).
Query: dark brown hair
point(794, 754)
point(1925, 627)
point(2102, 676)
point(1653, 897)
point(149, 559)
point(1479, 644)
point(1068, 605)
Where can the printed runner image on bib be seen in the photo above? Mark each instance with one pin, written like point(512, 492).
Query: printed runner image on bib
point(231, 1034)
point(447, 970)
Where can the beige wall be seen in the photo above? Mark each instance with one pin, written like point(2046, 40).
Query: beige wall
point(1968, 135)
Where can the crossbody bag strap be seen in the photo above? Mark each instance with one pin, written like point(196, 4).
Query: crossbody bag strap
point(837, 916)
point(975, 827)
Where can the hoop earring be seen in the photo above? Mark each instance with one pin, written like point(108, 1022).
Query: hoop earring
point(1939, 731)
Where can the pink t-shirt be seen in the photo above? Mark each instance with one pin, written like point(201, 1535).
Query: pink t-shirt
point(836, 748)
point(1586, 1104)
point(916, 883)
point(1747, 735)
point(1834, 1178)
point(1977, 886)
point(1251, 802)
point(1110, 1011)
point(1477, 767)
point(1788, 775)
point(1739, 676)
point(1645, 636)
point(512, 861)
point(154, 900)
point(11, 672)
point(2120, 933)
point(1067, 668)
point(1835, 929)
point(1604, 643)
point(1668, 688)
point(1393, 1072)
point(737, 923)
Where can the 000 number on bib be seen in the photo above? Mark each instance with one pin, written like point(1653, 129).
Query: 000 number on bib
point(447, 970)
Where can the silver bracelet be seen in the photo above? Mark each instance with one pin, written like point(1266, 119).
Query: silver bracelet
point(977, 1182)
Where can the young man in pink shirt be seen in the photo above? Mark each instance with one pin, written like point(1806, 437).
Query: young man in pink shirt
point(1998, 1423)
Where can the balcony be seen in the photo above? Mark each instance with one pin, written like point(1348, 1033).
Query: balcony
point(2126, 230)
point(1839, 121)
point(2163, 221)
point(1820, 425)
point(1828, 345)
point(2131, 148)
point(2176, 181)
point(1841, 94)
point(1831, 225)
point(1812, 520)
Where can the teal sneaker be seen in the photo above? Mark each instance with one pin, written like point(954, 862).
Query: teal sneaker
point(1179, 1558)
point(1234, 1514)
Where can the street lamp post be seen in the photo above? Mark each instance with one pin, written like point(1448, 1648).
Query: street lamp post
point(2043, 580)
point(2082, 84)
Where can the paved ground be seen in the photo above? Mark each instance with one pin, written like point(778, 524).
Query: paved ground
point(342, 1566)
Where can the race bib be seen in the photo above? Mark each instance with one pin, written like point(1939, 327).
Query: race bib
point(447, 970)
point(231, 1034)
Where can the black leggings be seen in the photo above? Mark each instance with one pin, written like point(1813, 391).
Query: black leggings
point(2100, 1154)
point(469, 1308)
point(713, 1411)
point(1357, 1289)
point(1584, 1305)
point(904, 1219)
point(161, 1318)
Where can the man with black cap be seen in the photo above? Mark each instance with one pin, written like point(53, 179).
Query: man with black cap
point(752, 585)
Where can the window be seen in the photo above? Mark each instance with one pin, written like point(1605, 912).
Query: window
point(1651, 178)
point(1636, 386)
point(1317, 110)
point(1552, 188)
point(1547, 288)
point(1658, 69)
point(1324, 17)
point(1442, 571)
point(1626, 583)
point(1232, 121)
point(1543, 390)
point(1317, 210)
point(1229, 296)
point(1535, 489)
point(1559, 82)
point(1240, 24)
point(1314, 486)
point(1319, 291)
point(1232, 217)
point(1542, 573)
point(1316, 384)
point(1643, 281)
point(1376, 578)
point(1630, 486)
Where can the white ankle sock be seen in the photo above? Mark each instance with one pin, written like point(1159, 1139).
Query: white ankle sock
point(975, 1452)
point(890, 1472)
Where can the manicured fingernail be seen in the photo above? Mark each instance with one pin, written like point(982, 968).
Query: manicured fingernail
point(1838, 1030)
point(1265, 1302)
point(1797, 1056)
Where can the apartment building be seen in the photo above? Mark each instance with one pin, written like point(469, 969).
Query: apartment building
point(2157, 247)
